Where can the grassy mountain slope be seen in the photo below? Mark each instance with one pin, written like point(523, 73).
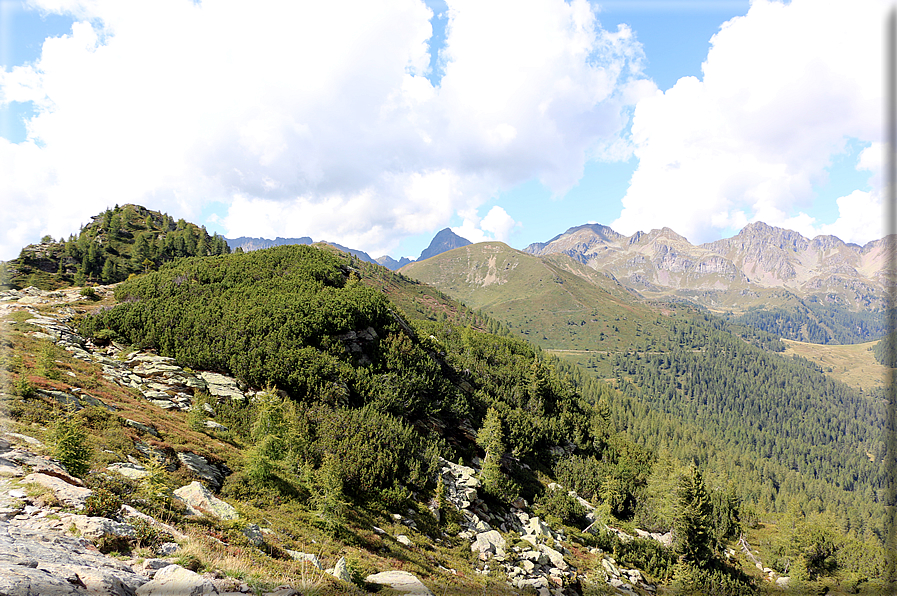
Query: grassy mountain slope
point(553, 302)
point(854, 365)
point(380, 374)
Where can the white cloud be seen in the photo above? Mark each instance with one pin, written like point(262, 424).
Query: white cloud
point(311, 118)
point(496, 225)
point(784, 87)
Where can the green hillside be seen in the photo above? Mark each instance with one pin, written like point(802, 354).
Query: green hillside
point(116, 243)
point(553, 302)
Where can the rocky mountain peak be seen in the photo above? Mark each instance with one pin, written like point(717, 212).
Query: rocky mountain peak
point(759, 256)
point(444, 241)
point(762, 236)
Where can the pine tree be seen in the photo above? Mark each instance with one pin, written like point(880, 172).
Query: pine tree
point(108, 274)
point(491, 438)
point(693, 529)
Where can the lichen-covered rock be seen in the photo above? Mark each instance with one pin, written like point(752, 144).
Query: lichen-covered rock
point(254, 533)
point(200, 500)
point(97, 528)
point(213, 475)
point(129, 470)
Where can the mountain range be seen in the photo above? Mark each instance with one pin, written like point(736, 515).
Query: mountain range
point(761, 263)
point(734, 273)
point(444, 240)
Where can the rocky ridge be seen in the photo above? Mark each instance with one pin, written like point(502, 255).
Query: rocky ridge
point(759, 257)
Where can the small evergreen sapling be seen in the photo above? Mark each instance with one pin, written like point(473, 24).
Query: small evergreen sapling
point(70, 445)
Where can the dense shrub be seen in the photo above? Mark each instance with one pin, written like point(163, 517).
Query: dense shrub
point(372, 450)
point(558, 505)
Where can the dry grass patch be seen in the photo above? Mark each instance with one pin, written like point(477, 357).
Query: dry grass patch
point(853, 365)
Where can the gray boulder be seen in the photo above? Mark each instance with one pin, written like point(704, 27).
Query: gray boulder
point(400, 581)
point(175, 580)
point(490, 542)
point(35, 561)
point(341, 571)
point(306, 557)
point(97, 528)
point(74, 496)
point(202, 469)
point(200, 500)
point(254, 533)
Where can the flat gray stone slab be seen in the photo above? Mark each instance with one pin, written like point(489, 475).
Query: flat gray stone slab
point(400, 581)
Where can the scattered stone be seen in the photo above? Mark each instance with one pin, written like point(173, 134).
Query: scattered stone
point(556, 558)
point(129, 470)
point(490, 542)
point(307, 557)
point(25, 439)
point(404, 540)
point(664, 539)
point(211, 424)
point(202, 469)
point(222, 386)
point(174, 579)
point(201, 501)
point(98, 528)
point(254, 534)
point(37, 562)
point(142, 428)
point(400, 581)
point(166, 549)
point(341, 571)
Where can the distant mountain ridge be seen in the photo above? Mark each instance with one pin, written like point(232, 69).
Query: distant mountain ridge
point(444, 240)
point(735, 272)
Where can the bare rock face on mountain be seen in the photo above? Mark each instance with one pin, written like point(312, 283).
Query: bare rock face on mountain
point(443, 241)
point(392, 264)
point(732, 271)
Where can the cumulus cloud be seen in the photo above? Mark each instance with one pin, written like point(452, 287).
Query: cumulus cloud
point(496, 225)
point(783, 88)
point(311, 118)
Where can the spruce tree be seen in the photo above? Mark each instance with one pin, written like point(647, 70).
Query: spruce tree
point(693, 529)
point(491, 438)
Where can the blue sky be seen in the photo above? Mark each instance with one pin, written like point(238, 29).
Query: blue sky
point(375, 127)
